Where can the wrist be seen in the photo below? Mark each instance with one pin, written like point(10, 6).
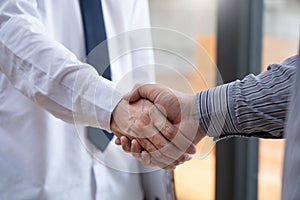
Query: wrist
point(114, 116)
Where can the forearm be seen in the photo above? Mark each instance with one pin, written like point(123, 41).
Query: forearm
point(254, 106)
point(47, 72)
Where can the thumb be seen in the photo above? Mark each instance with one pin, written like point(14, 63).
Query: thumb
point(145, 91)
point(134, 94)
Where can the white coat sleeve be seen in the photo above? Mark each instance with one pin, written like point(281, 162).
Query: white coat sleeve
point(48, 73)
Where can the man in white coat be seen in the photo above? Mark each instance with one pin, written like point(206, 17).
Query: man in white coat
point(42, 157)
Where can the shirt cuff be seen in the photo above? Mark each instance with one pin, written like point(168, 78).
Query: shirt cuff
point(107, 98)
point(215, 110)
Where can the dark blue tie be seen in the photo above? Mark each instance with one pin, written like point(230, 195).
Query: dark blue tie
point(95, 33)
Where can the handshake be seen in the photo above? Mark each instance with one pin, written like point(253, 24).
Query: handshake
point(157, 126)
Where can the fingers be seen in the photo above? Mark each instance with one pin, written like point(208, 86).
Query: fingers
point(148, 91)
point(136, 149)
point(125, 142)
point(128, 146)
point(163, 157)
point(160, 141)
point(158, 159)
point(148, 159)
point(154, 158)
point(171, 133)
point(163, 152)
point(161, 96)
point(164, 142)
point(134, 94)
point(118, 141)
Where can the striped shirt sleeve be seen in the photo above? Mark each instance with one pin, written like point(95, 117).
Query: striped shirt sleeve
point(254, 106)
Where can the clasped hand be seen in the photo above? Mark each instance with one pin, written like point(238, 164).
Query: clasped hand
point(157, 125)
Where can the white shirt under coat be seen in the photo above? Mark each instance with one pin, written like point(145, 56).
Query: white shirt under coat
point(41, 49)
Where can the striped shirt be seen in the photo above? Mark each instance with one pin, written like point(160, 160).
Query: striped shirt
point(254, 106)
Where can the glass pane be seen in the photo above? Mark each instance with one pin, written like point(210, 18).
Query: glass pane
point(196, 19)
point(280, 40)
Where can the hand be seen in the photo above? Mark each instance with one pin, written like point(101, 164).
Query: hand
point(141, 120)
point(178, 108)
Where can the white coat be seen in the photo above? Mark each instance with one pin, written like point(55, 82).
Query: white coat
point(41, 50)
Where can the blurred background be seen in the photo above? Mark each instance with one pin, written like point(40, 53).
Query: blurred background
point(272, 30)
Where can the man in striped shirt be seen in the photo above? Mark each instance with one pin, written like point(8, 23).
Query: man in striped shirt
point(255, 106)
